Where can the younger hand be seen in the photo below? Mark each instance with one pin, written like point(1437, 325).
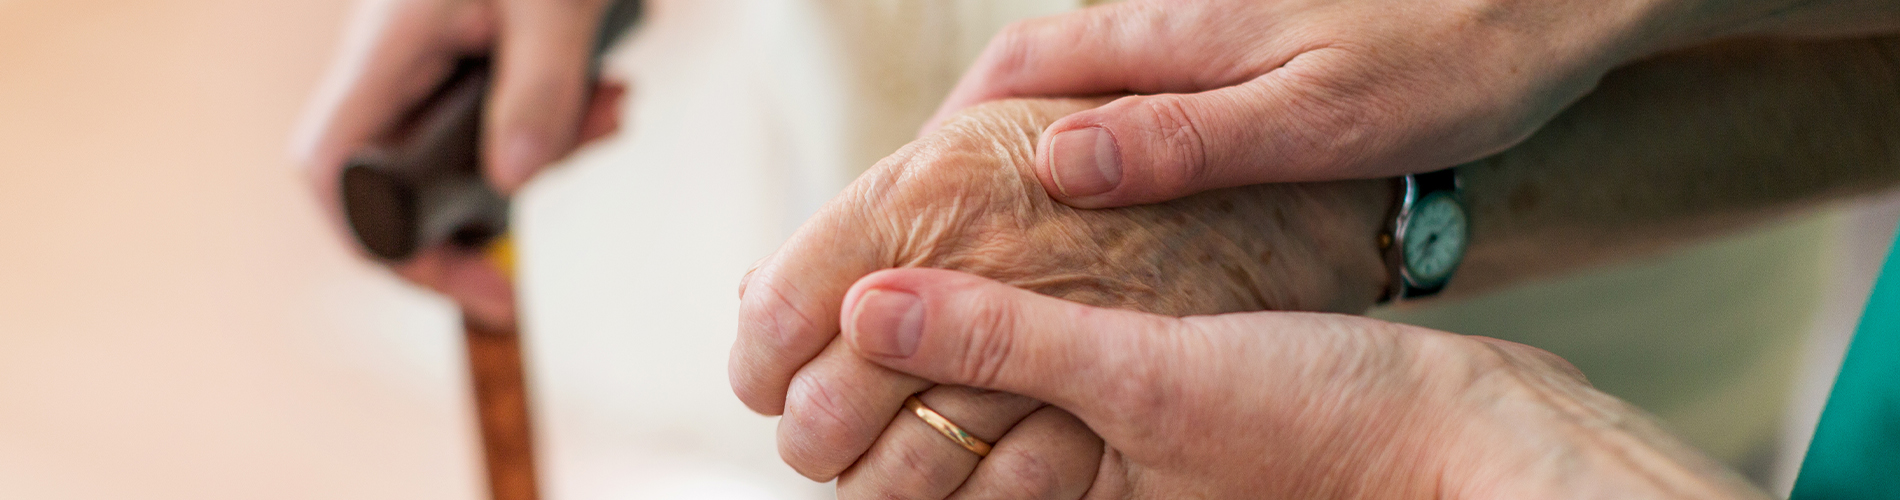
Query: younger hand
point(1282, 405)
point(1245, 92)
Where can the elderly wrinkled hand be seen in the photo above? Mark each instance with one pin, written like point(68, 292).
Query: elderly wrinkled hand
point(967, 198)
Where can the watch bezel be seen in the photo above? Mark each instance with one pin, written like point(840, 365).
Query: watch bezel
point(1406, 270)
point(1406, 283)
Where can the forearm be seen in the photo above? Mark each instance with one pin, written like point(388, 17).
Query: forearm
point(1539, 433)
point(1686, 146)
point(1716, 19)
point(1658, 26)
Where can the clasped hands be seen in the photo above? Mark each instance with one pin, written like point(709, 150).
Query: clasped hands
point(1121, 399)
point(966, 198)
point(1031, 343)
point(1109, 353)
point(1061, 338)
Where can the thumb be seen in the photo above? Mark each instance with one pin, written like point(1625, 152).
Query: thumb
point(541, 88)
point(1154, 148)
point(954, 328)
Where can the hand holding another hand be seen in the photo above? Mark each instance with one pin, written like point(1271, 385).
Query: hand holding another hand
point(966, 198)
point(1241, 92)
point(1282, 405)
point(1241, 405)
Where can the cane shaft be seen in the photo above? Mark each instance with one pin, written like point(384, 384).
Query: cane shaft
point(501, 406)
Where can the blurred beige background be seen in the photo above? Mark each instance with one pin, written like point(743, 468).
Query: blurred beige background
point(176, 321)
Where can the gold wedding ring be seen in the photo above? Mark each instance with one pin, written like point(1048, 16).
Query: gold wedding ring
point(946, 427)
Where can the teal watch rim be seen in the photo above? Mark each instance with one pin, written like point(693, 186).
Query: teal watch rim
point(1418, 189)
point(1418, 283)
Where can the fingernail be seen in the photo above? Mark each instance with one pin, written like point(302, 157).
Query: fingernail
point(520, 155)
point(889, 323)
point(1086, 162)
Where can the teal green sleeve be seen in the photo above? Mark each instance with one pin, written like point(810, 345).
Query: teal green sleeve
point(1856, 449)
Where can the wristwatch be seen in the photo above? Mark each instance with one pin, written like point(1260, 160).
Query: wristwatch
point(1425, 238)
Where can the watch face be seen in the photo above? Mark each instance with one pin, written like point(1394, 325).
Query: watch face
point(1434, 237)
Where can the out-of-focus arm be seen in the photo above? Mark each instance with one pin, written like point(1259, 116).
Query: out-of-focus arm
point(1684, 146)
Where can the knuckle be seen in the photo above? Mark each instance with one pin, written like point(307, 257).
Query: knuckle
point(1170, 21)
point(1321, 91)
point(1138, 392)
point(1136, 399)
point(770, 324)
point(815, 424)
point(1561, 365)
point(905, 474)
point(1027, 476)
point(1010, 54)
point(1320, 134)
point(748, 387)
point(813, 408)
point(1539, 358)
point(1342, 119)
point(989, 343)
point(1181, 162)
point(746, 279)
point(772, 317)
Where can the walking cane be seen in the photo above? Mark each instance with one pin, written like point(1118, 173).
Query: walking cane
point(421, 186)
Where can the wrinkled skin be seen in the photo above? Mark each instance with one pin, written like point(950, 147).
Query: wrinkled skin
point(1284, 405)
point(967, 198)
